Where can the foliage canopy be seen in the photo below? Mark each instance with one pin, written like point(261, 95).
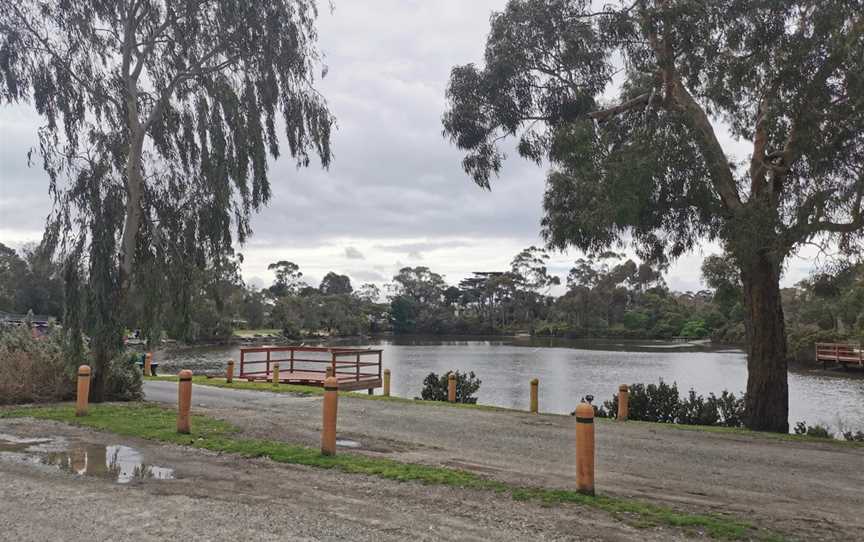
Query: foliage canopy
point(648, 167)
point(159, 119)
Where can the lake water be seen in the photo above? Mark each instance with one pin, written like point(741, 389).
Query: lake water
point(569, 370)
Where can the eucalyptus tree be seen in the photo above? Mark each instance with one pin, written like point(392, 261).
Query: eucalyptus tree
point(334, 283)
point(531, 279)
point(159, 119)
point(288, 278)
point(626, 103)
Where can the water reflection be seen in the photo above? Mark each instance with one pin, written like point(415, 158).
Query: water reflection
point(119, 463)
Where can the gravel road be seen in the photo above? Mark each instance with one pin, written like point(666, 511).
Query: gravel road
point(811, 490)
point(218, 497)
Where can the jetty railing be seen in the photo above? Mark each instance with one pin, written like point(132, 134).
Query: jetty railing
point(840, 353)
point(355, 368)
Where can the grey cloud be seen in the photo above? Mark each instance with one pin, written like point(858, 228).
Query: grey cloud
point(363, 275)
point(421, 246)
point(353, 254)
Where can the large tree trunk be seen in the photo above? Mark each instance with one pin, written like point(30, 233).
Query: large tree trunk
point(767, 401)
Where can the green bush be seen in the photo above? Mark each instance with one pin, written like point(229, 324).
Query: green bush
point(34, 370)
point(695, 329)
point(38, 370)
point(435, 387)
point(662, 403)
point(857, 436)
point(123, 381)
point(816, 431)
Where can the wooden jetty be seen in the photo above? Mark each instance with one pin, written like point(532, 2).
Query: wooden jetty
point(355, 368)
point(840, 354)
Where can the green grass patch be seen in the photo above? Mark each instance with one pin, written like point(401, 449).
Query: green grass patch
point(744, 432)
point(156, 423)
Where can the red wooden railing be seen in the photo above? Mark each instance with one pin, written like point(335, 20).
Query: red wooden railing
point(310, 363)
point(840, 353)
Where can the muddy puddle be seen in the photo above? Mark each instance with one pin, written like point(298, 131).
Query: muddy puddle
point(118, 463)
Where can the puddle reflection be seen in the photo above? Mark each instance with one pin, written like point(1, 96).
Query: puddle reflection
point(121, 464)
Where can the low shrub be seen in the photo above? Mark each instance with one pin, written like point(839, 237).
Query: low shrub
point(435, 387)
point(34, 370)
point(816, 431)
point(38, 370)
point(857, 436)
point(123, 381)
point(662, 403)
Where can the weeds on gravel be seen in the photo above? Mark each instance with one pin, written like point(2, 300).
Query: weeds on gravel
point(156, 423)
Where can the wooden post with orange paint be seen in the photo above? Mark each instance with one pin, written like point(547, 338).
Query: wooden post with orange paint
point(83, 397)
point(535, 403)
point(184, 401)
point(276, 375)
point(386, 382)
point(623, 402)
point(585, 448)
point(148, 364)
point(328, 427)
point(451, 388)
point(229, 374)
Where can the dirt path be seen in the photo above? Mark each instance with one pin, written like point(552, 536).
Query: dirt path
point(216, 497)
point(811, 490)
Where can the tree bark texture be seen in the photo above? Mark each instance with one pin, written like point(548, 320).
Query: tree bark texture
point(767, 401)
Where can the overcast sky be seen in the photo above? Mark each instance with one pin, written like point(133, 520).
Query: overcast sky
point(396, 194)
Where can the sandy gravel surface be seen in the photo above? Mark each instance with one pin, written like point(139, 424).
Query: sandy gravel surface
point(221, 497)
point(810, 490)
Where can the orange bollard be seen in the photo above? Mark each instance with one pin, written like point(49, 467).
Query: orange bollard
point(623, 402)
point(148, 362)
point(585, 449)
point(275, 375)
point(386, 382)
point(184, 401)
point(328, 428)
point(535, 408)
point(229, 375)
point(83, 398)
point(451, 388)
point(331, 372)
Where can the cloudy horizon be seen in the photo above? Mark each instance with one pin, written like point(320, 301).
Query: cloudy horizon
point(395, 194)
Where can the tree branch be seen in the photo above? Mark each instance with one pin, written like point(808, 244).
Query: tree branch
point(706, 139)
point(633, 103)
point(760, 141)
point(853, 225)
point(62, 63)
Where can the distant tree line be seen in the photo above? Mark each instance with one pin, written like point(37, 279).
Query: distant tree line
point(604, 297)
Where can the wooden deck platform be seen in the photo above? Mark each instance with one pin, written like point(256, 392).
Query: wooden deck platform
point(354, 368)
point(840, 354)
point(305, 378)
